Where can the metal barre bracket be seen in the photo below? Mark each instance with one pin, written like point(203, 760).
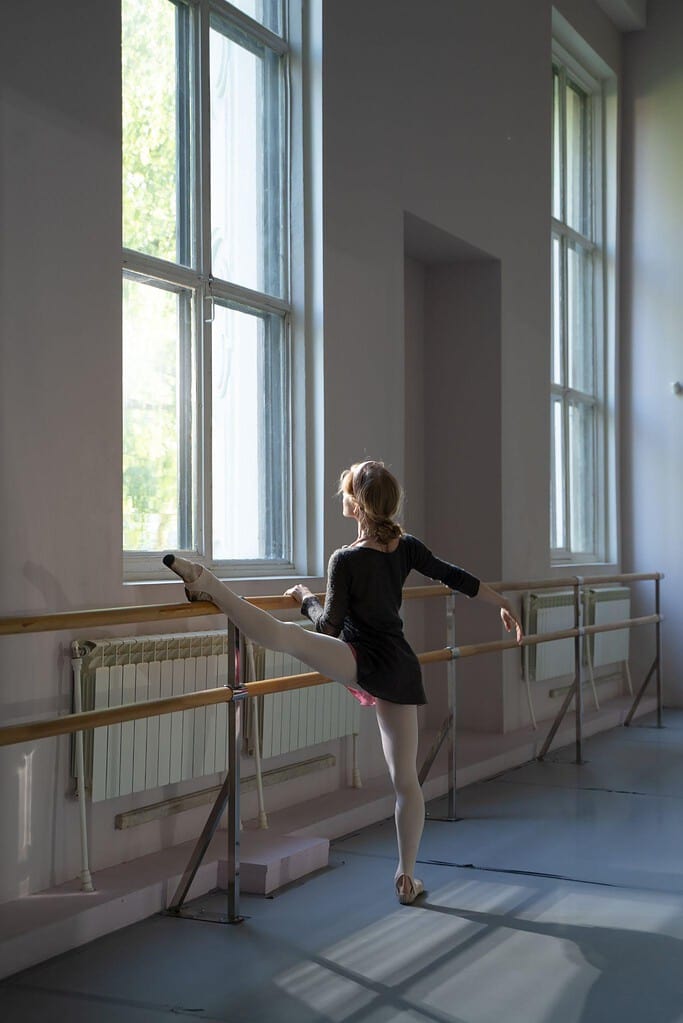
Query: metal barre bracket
point(239, 693)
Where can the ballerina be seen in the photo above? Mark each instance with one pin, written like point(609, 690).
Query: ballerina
point(359, 637)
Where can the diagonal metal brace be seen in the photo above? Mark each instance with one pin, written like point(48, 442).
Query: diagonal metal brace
point(559, 718)
point(641, 693)
point(208, 831)
point(435, 747)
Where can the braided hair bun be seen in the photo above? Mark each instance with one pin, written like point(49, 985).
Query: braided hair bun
point(378, 495)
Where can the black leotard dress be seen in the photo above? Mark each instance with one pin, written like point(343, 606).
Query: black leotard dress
point(364, 593)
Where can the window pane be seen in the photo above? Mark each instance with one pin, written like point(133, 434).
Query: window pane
point(582, 494)
point(557, 148)
point(267, 12)
point(558, 539)
point(578, 171)
point(155, 116)
point(157, 417)
point(249, 437)
point(557, 313)
point(246, 161)
point(580, 341)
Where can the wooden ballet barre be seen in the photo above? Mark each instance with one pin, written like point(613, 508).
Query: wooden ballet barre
point(286, 683)
point(28, 731)
point(87, 719)
point(573, 580)
point(494, 646)
point(61, 621)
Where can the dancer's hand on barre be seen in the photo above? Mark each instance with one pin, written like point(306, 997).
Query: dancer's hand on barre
point(298, 593)
point(507, 614)
point(510, 621)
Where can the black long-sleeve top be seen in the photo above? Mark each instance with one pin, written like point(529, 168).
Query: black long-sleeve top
point(362, 604)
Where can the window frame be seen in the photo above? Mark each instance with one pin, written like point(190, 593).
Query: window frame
point(195, 275)
point(601, 401)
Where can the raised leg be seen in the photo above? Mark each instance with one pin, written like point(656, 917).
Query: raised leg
point(330, 656)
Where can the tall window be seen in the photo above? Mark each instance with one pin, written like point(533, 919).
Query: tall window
point(206, 304)
point(578, 405)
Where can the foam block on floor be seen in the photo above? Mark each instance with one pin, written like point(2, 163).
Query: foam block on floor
point(270, 861)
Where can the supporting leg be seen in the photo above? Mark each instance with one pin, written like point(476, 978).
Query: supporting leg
point(398, 729)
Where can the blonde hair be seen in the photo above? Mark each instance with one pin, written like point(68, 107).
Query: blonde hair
point(377, 495)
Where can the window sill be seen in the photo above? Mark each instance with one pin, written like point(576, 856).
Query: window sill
point(150, 571)
point(592, 567)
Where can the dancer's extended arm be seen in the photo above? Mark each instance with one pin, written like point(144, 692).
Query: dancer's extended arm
point(507, 613)
point(458, 579)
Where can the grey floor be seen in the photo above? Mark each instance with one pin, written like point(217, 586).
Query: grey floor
point(557, 898)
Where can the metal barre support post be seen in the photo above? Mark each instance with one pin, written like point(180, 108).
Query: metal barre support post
point(229, 795)
point(658, 641)
point(447, 729)
point(234, 768)
point(575, 689)
point(578, 622)
point(451, 812)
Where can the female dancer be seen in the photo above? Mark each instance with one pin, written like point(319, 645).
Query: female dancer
point(362, 603)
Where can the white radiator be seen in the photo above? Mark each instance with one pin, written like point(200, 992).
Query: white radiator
point(603, 606)
point(303, 717)
point(136, 756)
point(549, 612)
point(139, 755)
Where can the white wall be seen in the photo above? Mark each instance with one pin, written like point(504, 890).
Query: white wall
point(60, 373)
point(463, 459)
point(445, 115)
point(652, 314)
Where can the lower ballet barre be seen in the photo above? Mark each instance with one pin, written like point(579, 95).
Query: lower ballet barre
point(46, 728)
